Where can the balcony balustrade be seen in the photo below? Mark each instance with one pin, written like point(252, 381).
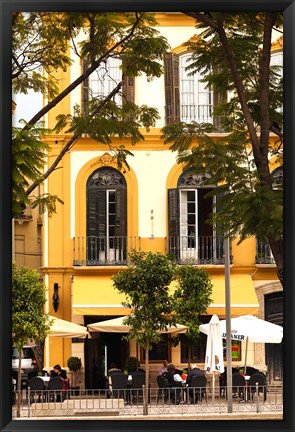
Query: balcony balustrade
point(263, 252)
point(203, 250)
point(103, 251)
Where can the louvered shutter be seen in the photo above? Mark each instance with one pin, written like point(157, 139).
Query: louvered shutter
point(171, 77)
point(173, 222)
point(219, 98)
point(129, 88)
point(85, 88)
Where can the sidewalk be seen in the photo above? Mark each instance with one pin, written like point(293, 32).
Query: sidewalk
point(200, 416)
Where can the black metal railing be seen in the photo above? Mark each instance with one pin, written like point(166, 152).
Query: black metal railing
point(263, 252)
point(103, 250)
point(197, 249)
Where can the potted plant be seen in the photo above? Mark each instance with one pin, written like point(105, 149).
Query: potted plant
point(74, 364)
point(131, 365)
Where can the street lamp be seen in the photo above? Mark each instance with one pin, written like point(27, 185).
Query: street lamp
point(228, 323)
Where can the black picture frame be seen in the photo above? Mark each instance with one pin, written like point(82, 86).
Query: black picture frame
point(287, 424)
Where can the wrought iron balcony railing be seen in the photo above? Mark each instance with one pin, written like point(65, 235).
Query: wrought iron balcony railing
point(204, 250)
point(101, 251)
point(263, 252)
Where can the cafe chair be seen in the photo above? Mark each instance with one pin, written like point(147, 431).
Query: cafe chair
point(119, 385)
point(138, 380)
point(239, 385)
point(56, 390)
point(163, 388)
point(260, 378)
point(197, 388)
point(37, 389)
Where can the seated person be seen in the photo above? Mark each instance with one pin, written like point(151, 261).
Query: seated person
point(113, 368)
point(195, 371)
point(175, 386)
point(58, 371)
point(163, 368)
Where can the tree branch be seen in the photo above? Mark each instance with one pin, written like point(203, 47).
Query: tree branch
point(72, 140)
point(81, 79)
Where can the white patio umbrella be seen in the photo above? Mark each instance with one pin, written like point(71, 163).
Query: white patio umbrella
point(116, 325)
point(214, 351)
point(249, 328)
point(66, 329)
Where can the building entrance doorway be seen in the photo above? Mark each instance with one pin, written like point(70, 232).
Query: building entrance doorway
point(102, 350)
point(274, 352)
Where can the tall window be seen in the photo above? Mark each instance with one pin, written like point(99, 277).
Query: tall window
point(195, 98)
point(103, 80)
point(187, 98)
point(106, 217)
point(276, 60)
point(191, 236)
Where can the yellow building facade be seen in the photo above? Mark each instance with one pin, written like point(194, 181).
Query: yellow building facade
point(107, 212)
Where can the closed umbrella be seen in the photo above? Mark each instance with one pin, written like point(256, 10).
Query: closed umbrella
point(214, 351)
point(249, 328)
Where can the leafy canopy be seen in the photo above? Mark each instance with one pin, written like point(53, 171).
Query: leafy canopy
point(145, 284)
point(233, 53)
point(28, 300)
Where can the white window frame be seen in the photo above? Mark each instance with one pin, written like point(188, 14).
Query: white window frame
point(196, 100)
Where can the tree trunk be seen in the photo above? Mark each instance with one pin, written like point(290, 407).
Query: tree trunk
point(276, 247)
point(147, 375)
point(189, 357)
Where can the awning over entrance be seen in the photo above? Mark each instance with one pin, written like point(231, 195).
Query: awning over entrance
point(96, 295)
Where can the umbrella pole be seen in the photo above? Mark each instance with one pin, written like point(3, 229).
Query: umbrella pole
point(245, 368)
point(213, 388)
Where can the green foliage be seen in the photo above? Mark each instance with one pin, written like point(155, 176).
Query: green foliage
point(248, 202)
point(28, 299)
point(41, 42)
point(131, 364)
point(28, 156)
point(191, 298)
point(74, 363)
point(145, 284)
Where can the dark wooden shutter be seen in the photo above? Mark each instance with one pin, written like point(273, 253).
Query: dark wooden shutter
point(129, 88)
point(171, 77)
point(219, 98)
point(173, 222)
point(96, 213)
point(85, 88)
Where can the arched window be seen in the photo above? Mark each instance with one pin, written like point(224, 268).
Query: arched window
point(191, 236)
point(106, 194)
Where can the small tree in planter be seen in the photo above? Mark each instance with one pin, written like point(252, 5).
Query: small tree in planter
point(74, 364)
point(131, 364)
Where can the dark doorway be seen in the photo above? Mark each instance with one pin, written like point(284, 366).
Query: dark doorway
point(96, 348)
point(274, 352)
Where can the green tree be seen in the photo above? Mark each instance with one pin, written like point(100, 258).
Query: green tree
point(190, 300)
point(41, 39)
point(233, 52)
point(145, 284)
point(28, 318)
